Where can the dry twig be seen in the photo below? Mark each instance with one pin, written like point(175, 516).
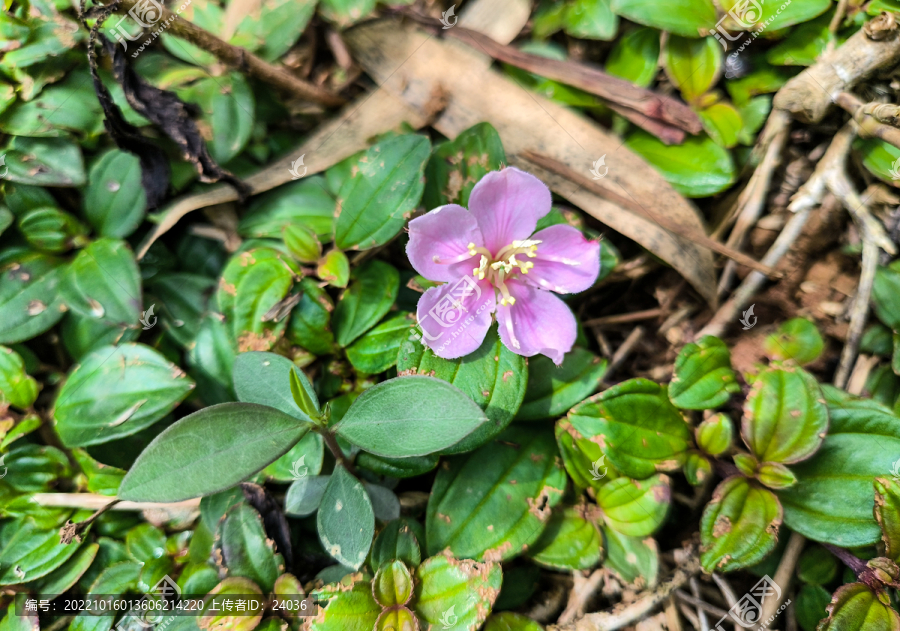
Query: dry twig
point(244, 61)
point(624, 615)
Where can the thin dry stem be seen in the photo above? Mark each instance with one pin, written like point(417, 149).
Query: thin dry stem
point(624, 615)
point(783, 575)
point(242, 60)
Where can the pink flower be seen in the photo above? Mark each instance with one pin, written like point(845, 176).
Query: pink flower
point(492, 261)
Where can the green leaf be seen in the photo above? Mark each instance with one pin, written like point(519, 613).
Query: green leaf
point(553, 390)
point(806, 43)
point(51, 230)
point(104, 283)
point(277, 26)
point(245, 549)
point(44, 161)
point(211, 358)
point(209, 451)
point(634, 559)
point(722, 121)
point(381, 193)
point(303, 202)
point(591, 19)
point(494, 502)
point(302, 243)
point(392, 584)
point(582, 457)
point(775, 475)
point(265, 378)
point(886, 292)
point(115, 201)
point(796, 339)
point(692, 64)
point(344, 13)
point(714, 434)
point(371, 293)
point(377, 350)
point(810, 606)
point(772, 15)
point(636, 508)
point(492, 376)
point(880, 158)
point(34, 468)
point(16, 387)
point(61, 108)
point(457, 165)
point(430, 415)
point(509, 621)
point(398, 617)
point(739, 526)
point(305, 495)
point(345, 520)
point(456, 591)
point(688, 18)
point(183, 297)
point(696, 168)
point(232, 586)
point(703, 376)
point(636, 426)
point(63, 578)
point(754, 114)
point(32, 553)
point(6, 218)
point(29, 299)
point(570, 542)
point(102, 479)
point(635, 56)
point(855, 607)
point(396, 541)
point(352, 609)
point(697, 469)
point(397, 467)
point(817, 566)
point(887, 512)
point(117, 391)
point(227, 107)
point(310, 325)
point(252, 284)
point(334, 268)
point(304, 459)
point(113, 580)
point(785, 417)
point(145, 543)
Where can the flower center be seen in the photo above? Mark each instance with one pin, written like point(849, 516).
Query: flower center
point(498, 269)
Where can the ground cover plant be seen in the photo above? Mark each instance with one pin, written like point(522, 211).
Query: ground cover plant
point(342, 315)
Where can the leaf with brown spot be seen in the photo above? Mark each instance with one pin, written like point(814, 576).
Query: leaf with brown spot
point(477, 491)
point(739, 526)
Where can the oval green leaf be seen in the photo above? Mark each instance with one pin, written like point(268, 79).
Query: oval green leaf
point(636, 427)
point(429, 414)
point(209, 451)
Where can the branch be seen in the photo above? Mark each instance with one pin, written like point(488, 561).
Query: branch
point(646, 602)
point(875, 120)
point(239, 58)
point(660, 115)
point(809, 95)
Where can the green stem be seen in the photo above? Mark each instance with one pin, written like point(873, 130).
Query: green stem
point(332, 443)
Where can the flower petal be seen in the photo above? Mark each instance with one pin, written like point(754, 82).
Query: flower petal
point(539, 322)
point(507, 205)
point(454, 318)
point(566, 261)
point(444, 234)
